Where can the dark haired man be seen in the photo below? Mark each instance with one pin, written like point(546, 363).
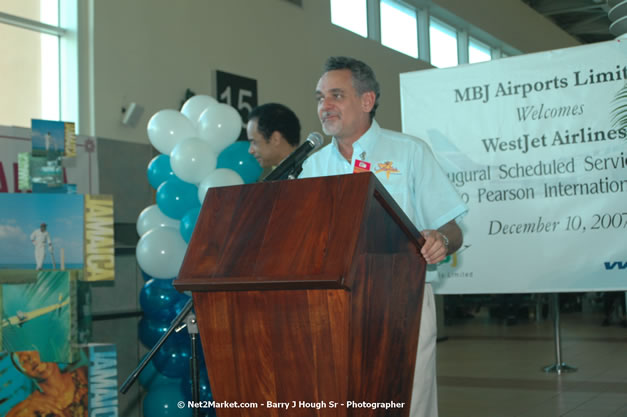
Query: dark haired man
point(273, 133)
point(348, 96)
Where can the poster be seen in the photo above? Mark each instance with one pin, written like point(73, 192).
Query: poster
point(81, 170)
point(57, 232)
point(31, 386)
point(534, 147)
point(41, 231)
point(99, 240)
point(31, 313)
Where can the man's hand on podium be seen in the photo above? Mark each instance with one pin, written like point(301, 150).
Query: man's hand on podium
point(442, 242)
point(435, 248)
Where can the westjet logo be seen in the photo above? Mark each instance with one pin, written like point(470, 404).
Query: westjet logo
point(615, 264)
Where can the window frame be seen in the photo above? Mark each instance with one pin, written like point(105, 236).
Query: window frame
point(68, 57)
point(425, 10)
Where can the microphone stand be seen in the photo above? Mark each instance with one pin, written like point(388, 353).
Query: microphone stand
point(291, 166)
point(189, 319)
point(290, 174)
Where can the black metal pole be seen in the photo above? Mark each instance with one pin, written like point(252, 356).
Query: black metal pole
point(192, 328)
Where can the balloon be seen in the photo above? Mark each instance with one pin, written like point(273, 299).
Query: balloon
point(220, 125)
point(193, 159)
point(150, 377)
point(194, 107)
point(168, 127)
point(145, 276)
point(237, 158)
point(152, 217)
point(160, 252)
point(176, 197)
point(163, 281)
point(188, 222)
point(172, 359)
point(203, 385)
point(219, 178)
point(150, 331)
point(162, 401)
point(159, 301)
point(159, 170)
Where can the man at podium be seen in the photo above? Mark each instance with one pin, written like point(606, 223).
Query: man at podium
point(348, 96)
point(273, 133)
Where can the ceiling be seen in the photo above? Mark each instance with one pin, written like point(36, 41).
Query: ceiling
point(585, 20)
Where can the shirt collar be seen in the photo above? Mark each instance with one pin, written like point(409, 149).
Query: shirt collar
point(364, 144)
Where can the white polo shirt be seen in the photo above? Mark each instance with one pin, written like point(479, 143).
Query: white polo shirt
point(406, 167)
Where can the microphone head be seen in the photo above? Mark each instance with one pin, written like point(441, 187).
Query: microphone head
point(316, 139)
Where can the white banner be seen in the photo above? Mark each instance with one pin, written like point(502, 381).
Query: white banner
point(81, 170)
point(532, 146)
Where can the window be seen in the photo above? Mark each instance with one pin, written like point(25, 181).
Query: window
point(399, 28)
point(43, 11)
point(419, 28)
point(443, 44)
point(478, 52)
point(351, 15)
point(31, 47)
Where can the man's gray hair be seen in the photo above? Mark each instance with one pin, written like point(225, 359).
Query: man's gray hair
point(363, 76)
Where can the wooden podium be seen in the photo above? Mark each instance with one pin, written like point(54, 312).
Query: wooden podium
point(307, 292)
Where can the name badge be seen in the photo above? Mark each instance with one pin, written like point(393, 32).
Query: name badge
point(361, 166)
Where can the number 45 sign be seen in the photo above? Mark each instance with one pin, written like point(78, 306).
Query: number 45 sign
point(239, 92)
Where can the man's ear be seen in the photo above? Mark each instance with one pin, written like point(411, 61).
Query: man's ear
point(367, 101)
point(276, 138)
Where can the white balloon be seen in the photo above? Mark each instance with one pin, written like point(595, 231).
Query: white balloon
point(194, 106)
point(220, 125)
point(152, 217)
point(221, 177)
point(193, 159)
point(168, 127)
point(160, 252)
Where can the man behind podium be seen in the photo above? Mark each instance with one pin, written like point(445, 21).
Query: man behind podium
point(348, 95)
point(273, 133)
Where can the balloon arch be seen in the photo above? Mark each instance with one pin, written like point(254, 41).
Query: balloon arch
point(198, 150)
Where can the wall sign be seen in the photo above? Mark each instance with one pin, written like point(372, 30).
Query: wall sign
point(239, 92)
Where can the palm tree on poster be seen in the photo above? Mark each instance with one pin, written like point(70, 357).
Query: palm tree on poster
point(619, 113)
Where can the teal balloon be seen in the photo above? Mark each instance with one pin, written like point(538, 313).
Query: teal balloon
point(203, 388)
point(176, 197)
point(237, 158)
point(172, 360)
point(160, 300)
point(149, 377)
point(163, 401)
point(188, 222)
point(159, 170)
point(151, 330)
point(202, 364)
point(203, 384)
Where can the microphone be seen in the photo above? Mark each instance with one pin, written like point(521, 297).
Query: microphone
point(293, 162)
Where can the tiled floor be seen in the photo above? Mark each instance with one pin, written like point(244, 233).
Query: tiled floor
point(489, 369)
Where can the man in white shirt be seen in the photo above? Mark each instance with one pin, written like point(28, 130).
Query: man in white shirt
point(47, 141)
point(40, 237)
point(347, 96)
